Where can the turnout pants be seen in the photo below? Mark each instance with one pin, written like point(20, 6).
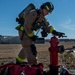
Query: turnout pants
point(29, 50)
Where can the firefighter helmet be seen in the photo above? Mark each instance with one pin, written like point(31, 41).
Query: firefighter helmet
point(48, 6)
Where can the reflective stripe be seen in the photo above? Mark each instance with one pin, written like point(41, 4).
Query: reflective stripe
point(22, 28)
point(24, 17)
point(31, 34)
point(19, 59)
point(47, 8)
point(51, 29)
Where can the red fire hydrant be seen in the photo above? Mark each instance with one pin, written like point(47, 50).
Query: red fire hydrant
point(53, 49)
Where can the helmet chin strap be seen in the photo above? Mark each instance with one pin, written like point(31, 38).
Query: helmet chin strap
point(41, 10)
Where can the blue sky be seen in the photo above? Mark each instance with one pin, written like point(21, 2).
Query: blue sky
point(62, 18)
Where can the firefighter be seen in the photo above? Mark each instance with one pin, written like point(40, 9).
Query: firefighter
point(33, 21)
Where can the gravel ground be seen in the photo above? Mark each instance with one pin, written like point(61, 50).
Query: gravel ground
point(8, 53)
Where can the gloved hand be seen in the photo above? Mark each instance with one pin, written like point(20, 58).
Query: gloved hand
point(60, 34)
point(44, 34)
point(33, 38)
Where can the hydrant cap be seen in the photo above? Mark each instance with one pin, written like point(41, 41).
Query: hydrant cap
point(54, 39)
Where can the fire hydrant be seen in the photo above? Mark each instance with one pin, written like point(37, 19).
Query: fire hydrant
point(53, 49)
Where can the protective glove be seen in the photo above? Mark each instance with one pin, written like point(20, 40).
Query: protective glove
point(59, 34)
point(33, 38)
point(44, 34)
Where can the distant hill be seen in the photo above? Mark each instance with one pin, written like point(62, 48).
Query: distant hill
point(10, 40)
point(16, 40)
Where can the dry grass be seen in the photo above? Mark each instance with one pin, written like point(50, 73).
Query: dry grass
point(8, 52)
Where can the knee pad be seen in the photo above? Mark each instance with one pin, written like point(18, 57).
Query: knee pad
point(33, 49)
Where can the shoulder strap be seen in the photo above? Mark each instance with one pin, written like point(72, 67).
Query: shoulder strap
point(38, 12)
point(38, 15)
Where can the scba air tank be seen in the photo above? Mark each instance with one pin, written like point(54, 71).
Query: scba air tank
point(26, 10)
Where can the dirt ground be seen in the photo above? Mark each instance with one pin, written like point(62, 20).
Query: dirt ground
point(8, 53)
